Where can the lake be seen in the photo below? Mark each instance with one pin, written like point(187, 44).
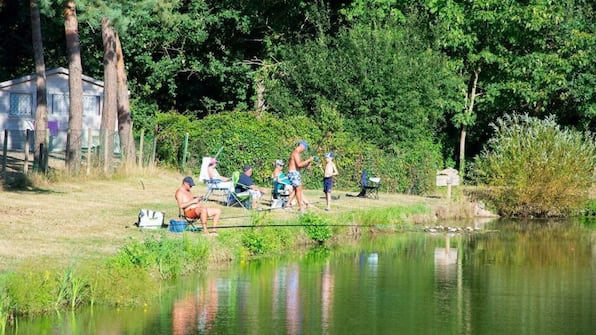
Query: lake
point(511, 277)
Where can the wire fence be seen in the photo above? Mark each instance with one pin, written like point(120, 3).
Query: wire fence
point(18, 149)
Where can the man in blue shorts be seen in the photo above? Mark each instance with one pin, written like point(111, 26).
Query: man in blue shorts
point(330, 172)
point(296, 164)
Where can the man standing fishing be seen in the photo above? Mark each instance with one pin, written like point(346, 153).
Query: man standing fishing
point(296, 164)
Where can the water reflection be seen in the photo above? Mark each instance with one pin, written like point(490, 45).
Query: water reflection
point(196, 310)
point(327, 284)
point(519, 278)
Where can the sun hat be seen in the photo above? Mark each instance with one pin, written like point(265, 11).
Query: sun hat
point(213, 160)
point(279, 162)
point(189, 181)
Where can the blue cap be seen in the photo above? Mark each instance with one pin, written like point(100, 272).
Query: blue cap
point(247, 167)
point(329, 155)
point(304, 144)
point(189, 181)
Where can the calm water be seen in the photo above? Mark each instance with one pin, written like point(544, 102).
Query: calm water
point(518, 279)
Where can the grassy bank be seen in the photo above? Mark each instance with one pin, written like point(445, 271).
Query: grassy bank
point(71, 243)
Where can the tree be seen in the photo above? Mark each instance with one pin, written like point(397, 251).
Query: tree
point(41, 112)
point(527, 57)
point(108, 116)
point(127, 143)
point(75, 88)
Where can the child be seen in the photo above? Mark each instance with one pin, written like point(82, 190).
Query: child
point(330, 171)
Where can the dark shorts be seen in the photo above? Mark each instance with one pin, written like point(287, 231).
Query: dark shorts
point(327, 184)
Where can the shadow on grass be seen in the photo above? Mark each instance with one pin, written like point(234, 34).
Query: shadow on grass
point(15, 180)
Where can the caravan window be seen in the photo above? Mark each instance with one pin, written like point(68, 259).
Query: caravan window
point(61, 103)
point(21, 104)
point(91, 105)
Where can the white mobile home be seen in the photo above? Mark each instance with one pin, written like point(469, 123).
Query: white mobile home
point(18, 102)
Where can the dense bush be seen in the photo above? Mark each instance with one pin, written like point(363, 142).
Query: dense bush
point(261, 138)
point(534, 168)
point(261, 239)
point(316, 227)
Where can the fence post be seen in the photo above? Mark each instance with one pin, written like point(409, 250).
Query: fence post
point(185, 149)
point(27, 139)
point(152, 160)
point(39, 162)
point(141, 142)
point(88, 151)
point(4, 151)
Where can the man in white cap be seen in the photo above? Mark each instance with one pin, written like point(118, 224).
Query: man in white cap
point(192, 206)
point(295, 164)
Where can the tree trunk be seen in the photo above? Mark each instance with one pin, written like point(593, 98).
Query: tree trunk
point(41, 111)
point(108, 117)
point(470, 99)
point(75, 88)
point(127, 143)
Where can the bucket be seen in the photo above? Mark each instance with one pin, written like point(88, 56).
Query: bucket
point(177, 226)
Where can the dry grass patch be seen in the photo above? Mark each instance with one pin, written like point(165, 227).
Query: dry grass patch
point(91, 217)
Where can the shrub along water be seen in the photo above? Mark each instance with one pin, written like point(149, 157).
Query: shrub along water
point(533, 167)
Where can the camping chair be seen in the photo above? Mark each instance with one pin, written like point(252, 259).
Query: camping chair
point(279, 194)
point(190, 223)
point(369, 186)
point(242, 198)
point(214, 187)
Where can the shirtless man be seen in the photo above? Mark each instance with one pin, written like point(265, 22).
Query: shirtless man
point(192, 207)
point(295, 164)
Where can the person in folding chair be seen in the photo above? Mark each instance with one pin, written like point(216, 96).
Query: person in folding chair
point(282, 187)
point(193, 207)
point(245, 184)
point(214, 176)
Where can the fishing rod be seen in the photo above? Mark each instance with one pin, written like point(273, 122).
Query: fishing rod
point(288, 225)
point(319, 225)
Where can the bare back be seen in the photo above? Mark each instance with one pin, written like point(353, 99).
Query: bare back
point(295, 160)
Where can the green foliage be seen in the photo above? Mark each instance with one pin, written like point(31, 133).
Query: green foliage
point(73, 289)
point(533, 57)
point(118, 284)
point(386, 83)
point(392, 216)
point(316, 227)
point(33, 290)
point(5, 309)
point(589, 210)
point(535, 168)
point(264, 240)
point(168, 256)
point(260, 139)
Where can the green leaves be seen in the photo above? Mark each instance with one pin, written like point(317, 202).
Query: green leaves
point(535, 168)
point(316, 227)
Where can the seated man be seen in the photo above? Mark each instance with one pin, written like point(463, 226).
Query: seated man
point(245, 184)
point(216, 179)
point(192, 206)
